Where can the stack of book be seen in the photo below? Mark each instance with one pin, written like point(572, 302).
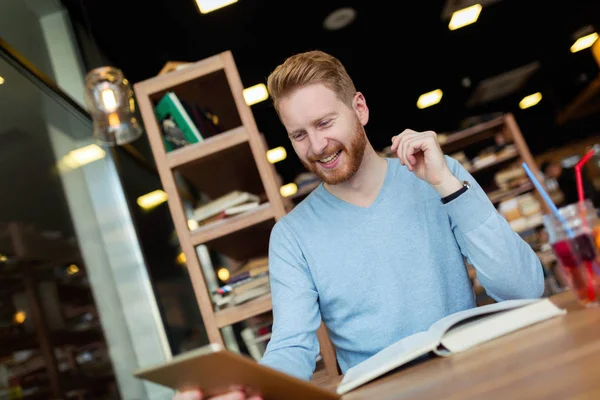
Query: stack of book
point(232, 203)
point(247, 283)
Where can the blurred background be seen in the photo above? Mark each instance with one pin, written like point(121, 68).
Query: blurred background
point(95, 279)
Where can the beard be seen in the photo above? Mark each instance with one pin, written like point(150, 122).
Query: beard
point(353, 156)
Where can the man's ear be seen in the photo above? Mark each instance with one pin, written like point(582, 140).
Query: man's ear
point(359, 104)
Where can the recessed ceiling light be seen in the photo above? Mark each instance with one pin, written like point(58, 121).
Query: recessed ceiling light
point(152, 199)
point(1, 80)
point(288, 190)
point(207, 6)
point(340, 18)
point(255, 94)
point(464, 17)
point(584, 42)
point(429, 99)
point(530, 101)
point(277, 154)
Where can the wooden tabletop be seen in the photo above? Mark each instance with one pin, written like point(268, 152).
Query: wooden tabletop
point(555, 359)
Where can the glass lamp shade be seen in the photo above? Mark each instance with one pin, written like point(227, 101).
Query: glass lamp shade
point(110, 99)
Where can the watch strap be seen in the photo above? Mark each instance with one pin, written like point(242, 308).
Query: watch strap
point(454, 195)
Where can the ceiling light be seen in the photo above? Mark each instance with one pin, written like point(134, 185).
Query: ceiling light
point(339, 19)
point(207, 6)
point(255, 94)
point(152, 199)
point(429, 99)
point(584, 42)
point(464, 17)
point(288, 190)
point(277, 154)
point(530, 101)
point(1, 80)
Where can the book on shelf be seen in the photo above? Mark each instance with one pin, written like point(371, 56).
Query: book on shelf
point(170, 107)
point(243, 291)
point(232, 203)
point(183, 122)
point(256, 336)
point(452, 334)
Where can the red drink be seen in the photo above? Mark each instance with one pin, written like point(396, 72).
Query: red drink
point(572, 239)
point(578, 259)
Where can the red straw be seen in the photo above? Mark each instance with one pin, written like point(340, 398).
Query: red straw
point(578, 167)
point(581, 194)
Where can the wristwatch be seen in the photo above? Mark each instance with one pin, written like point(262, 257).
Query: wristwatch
point(452, 196)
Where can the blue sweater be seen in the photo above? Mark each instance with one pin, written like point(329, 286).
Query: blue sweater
point(377, 274)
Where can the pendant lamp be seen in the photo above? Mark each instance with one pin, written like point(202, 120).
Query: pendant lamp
point(109, 97)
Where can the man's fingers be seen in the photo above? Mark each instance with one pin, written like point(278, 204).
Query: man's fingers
point(188, 395)
point(395, 141)
point(236, 395)
point(403, 146)
point(411, 148)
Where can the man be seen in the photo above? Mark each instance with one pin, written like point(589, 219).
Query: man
point(566, 180)
point(376, 251)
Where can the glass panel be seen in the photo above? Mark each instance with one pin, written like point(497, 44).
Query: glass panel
point(53, 343)
point(77, 312)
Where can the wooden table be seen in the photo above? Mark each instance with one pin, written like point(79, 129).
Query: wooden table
point(555, 359)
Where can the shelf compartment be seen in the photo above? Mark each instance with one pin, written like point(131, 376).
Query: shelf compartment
point(27, 341)
point(218, 173)
point(500, 160)
point(244, 244)
point(209, 146)
point(209, 233)
point(471, 135)
point(211, 91)
point(24, 242)
point(499, 195)
point(231, 315)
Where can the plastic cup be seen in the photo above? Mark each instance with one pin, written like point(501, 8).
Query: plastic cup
point(578, 256)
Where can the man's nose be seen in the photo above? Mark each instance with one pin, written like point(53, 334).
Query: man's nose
point(318, 143)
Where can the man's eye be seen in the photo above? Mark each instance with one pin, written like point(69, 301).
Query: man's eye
point(298, 136)
point(325, 123)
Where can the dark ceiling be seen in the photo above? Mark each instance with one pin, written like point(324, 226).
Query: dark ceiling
point(393, 56)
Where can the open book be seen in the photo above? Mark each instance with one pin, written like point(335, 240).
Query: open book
point(452, 334)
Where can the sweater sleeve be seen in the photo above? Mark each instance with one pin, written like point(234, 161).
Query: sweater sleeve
point(507, 267)
point(293, 347)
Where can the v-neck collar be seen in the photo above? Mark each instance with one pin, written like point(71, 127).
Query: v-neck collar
point(328, 196)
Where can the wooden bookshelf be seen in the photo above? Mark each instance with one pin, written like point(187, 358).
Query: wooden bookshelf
point(232, 160)
point(454, 141)
point(477, 135)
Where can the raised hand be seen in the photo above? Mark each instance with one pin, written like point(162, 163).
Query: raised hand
point(421, 153)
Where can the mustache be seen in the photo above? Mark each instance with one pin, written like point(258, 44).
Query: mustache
point(329, 151)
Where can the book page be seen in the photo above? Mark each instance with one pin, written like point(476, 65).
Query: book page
point(439, 328)
point(399, 353)
point(488, 327)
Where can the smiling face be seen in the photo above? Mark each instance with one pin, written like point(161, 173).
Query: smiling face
point(327, 135)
